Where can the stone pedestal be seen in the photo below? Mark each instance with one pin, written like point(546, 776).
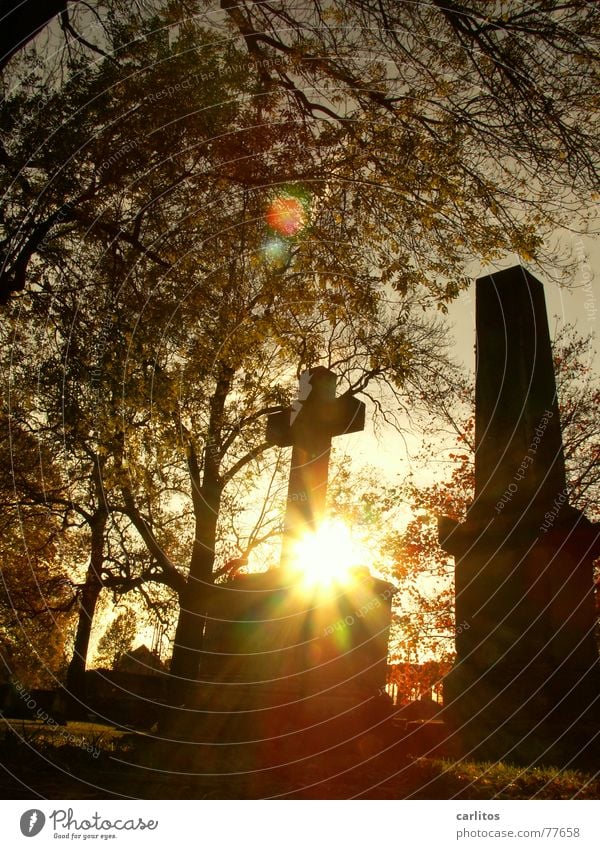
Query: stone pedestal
point(526, 682)
point(288, 671)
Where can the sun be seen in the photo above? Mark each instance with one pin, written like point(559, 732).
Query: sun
point(327, 557)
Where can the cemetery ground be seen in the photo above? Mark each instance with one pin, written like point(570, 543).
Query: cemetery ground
point(85, 760)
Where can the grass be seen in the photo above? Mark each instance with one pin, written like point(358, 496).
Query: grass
point(85, 760)
point(83, 734)
point(476, 780)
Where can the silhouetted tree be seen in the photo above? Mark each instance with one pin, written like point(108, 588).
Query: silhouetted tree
point(117, 639)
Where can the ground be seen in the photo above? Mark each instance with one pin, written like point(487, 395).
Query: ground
point(91, 761)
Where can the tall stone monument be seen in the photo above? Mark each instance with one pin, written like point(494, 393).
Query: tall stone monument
point(526, 682)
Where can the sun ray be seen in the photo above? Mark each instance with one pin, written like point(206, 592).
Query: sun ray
point(327, 557)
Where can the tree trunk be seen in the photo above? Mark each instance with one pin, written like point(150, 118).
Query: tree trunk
point(189, 635)
point(206, 498)
point(87, 607)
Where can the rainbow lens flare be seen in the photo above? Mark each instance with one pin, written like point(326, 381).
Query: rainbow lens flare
point(277, 252)
point(288, 213)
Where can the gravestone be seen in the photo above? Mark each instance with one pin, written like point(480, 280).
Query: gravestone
point(287, 668)
point(526, 681)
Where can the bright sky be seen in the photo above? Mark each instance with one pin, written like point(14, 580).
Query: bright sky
point(579, 303)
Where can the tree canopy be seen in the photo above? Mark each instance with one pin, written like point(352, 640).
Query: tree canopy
point(457, 131)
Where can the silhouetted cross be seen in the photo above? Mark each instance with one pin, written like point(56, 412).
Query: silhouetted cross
point(309, 425)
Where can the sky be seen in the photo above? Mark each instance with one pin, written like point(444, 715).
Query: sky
point(577, 303)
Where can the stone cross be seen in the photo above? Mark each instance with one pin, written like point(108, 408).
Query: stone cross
point(309, 426)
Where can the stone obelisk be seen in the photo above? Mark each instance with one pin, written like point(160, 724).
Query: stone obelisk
point(526, 682)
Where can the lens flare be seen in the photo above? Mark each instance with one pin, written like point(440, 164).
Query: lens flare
point(287, 215)
point(277, 253)
point(327, 557)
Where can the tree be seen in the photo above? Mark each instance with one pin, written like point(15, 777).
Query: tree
point(36, 595)
point(424, 617)
point(23, 21)
point(270, 304)
point(579, 396)
point(53, 401)
point(233, 376)
point(475, 142)
point(476, 149)
point(199, 310)
point(67, 408)
point(71, 169)
point(117, 640)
